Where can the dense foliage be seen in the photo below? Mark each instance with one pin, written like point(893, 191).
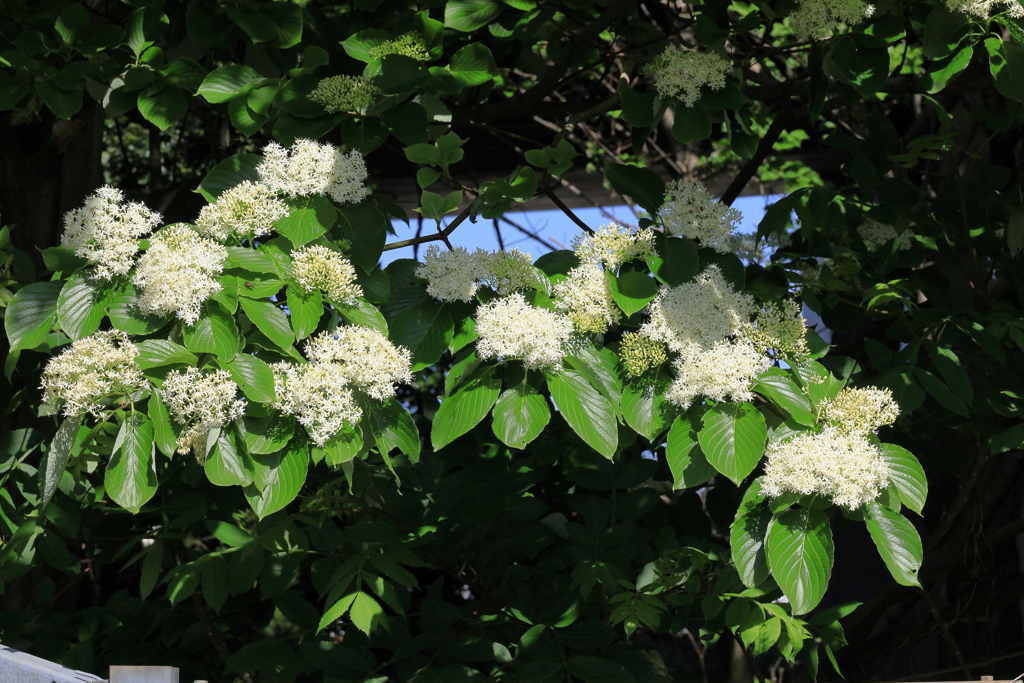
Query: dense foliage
point(245, 449)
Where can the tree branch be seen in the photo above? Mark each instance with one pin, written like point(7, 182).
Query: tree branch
point(440, 235)
point(764, 148)
point(567, 211)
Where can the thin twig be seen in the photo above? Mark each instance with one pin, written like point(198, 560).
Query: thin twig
point(764, 148)
point(441, 235)
point(953, 669)
point(567, 211)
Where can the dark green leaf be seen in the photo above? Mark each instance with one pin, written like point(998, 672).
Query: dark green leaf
point(63, 103)
point(462, 410)
point(897, 541)
point(777, 386)
point(587, 411)
point(800, 554)
point(469, 15)
point(305, 309)
point(56, 458)
point(254, 377)
point(162, 105)
point(425, 329)
point(125, 314)
point(226, 83)
point(520, 415)
point(907, 475)
point(308, 218)
point(215, 332)
point(130, 479)
point(392, 427)
point(156, 352)
point(269, 434)
point(644, 405)
point(690, 467)
point(733, 439)
point(81, 306)
point(229, 173)
point(163, 433)
point(632, 289)
point(228, 463)
point(643, 185)
point(747, 538)
point(278, 478)
point(473, 65)
point(31, 313)
point(366, 229)
point(270, 320)
point(407, 122)
point(597, 670)
point(691, 124)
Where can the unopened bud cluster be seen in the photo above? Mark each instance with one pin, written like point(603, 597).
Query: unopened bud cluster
point(317, 267)
point(345, 94)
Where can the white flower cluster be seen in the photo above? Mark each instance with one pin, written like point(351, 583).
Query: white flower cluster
point(780, 328)
point(613, 245)
point(682, 74)
point(106, 231)
point(860, 411)
point(512, 328)
point(723, 372)
point(102, 365)
point(317, 267)
point(585, 297)
point(311, 168)
point(317, 394)
point(245, 211)
point(456, 274)
point(694, 316)
point(984, 9)
point(366, 358)
point(345, 94)
point(820, 18)
point(178, 273)
point(690, 210)
point(200, 401)
point(845, 467)
point(875, 235)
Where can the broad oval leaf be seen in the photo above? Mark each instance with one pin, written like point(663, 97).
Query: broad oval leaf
point(126, 316)
point(392, 427)
point(215, 332)
point(163, 431)
point(907, 475)
point(229, 173)
point(226, 83)
point(897, 541)
point(777, 386)
point(157, 352)
point(462, 410)
point(686, 460)
point(130, 479)
point(733, 439)
point(228, 463)
point(307, 219)
point(587, 411)
point(31, 313)
point(269, 434)
point(520, 415)
point(254, 377)
point(81, 307)
point(747, 537)
point(304, 309)
point(278, 478)
point(344, 446)
point(800, 555)
point(425, 329)
point(366, 229)
point(270, 320)
point(644, 405)
point(469, 15)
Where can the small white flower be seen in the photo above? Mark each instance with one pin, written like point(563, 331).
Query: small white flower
point(690, 210)
point(453, 275)
point(585, 297)
point(723, 372)
point(694, 316)
point(107, 230)
point(512, 328)
point(317, 394)
point(845, 467)
point(875, 235)
point(102, 365)
point(613, 245)
point(367, 359)
point(310, 168)
point(178, 273)
point(317, 267)
point(780, 328)
point(984, 9)
point(509, 271)
point(821, 18)
point(681, 74)
point(245, 211)
point(200, 401)
point(860, 411)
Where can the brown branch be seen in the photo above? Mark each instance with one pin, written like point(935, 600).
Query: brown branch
point(764, 148)
point(567, 211)
point(441, 235)
point(953, 669)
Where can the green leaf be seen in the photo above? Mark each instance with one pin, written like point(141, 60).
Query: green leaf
point(691, 123)
point(944, 30)
point(151, 569)
point(777, 386)
point(366, 314)
point(366, 229)
point(227, 82)
point(462, 410)
point(407, 122)
point(31, 313)
point(598, 670)
point(228, 463)
point(288, 22)
point(690, 467)
point(678, 263)
point(305, 310)
point(254, 377)
point(229, 173)
point(214, 332)
point(1007, 440)
point(278, 478)
point(162, 105)
point(215, 581)
point(125, 314)
point(268, 435)
point(951, 369)
point(270, 320)
point(336, 611)
point(907, 475)
point(63, 103)
point(425, 329)
point(62, 259)
point(163, 433)
point(747, 538)
point(184, 73)
point(130, 479)
point(638, 108)
point(81, 306)
point(183, 584)
point(343, 446)
point(632, 289)
point(733, 439)
point(397, 74)
point(469, 15)
point(644, 405)
point(587, 411)
point(359, 45)
point(940, 392)
point(800, 554)
point(245, 120)
point(897, 541)
point(473, 65)
point(56, 458)
point(308, 218)
point(154, 353)
point(939, 76)
point(392, 427)
point(520, 415)
point(865, 68)
point(643, 185)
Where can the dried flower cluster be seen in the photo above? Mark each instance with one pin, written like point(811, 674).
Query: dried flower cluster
point(613, 245)
point(345, 94)
point(845, 467)
point(690, 211)
point(311, 168)
point(106, 231)
point(821, 18)
point(318, 395)
point(178, 273)
point(875, 235)
point(200, 401)
point(366, 358)
point(681, 74)
point(512, 328)
point(244, 211)
point(100, 366)
point(317, 267)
